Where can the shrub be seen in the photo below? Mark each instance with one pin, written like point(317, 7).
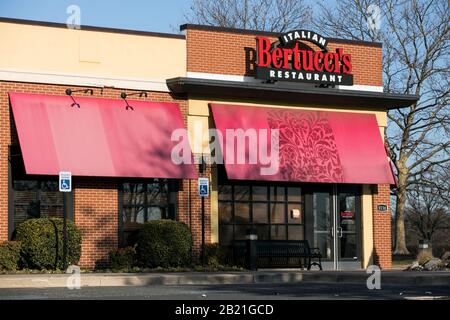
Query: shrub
point(215, 255)
point(9, 255)
point(42, 243)
point(122, 258)
point(164, 243)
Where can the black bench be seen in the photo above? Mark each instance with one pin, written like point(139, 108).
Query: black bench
point(276, 249)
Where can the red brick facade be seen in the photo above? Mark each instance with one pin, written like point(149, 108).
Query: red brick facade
point(95, 200)
point(96, 207)
point(382, 248)
point(189, 211)
point(228, 53)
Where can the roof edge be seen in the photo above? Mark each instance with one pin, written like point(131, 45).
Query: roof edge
point(384, 100)
point(93, 28)
point(188, 26)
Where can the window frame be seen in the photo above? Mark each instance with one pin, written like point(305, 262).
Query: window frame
point(170, 207)
point(15, 160)
point(267, 185)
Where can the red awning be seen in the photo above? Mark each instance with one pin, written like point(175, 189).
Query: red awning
point(100, 138)
point(314, 146)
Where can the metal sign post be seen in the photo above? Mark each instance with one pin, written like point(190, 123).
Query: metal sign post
point(65, 185)
point(203, 191)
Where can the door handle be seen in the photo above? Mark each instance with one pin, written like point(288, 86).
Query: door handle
point(332, 232)
point(340, 233)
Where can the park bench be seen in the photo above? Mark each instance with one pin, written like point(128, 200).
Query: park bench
point(274, 250)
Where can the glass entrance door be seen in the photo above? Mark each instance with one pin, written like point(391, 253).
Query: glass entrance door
point(348, 224)
point(333, 224)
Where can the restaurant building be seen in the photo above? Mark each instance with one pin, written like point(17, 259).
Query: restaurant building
point(105, 104)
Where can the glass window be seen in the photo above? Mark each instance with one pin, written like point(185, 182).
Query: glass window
point(260, 213)
point(264, 207)
point(277, 213)
point(225, 192)
point(294, 194)
point(36, 199)
point(259, 193)
point(277, 193)
point(295, 232)
point(225, 212)
point(241, 193)
point(263, 232)
point(226, 234)
point(278, 232)
point(142, 202)
point(240, 231)
point(241, 212)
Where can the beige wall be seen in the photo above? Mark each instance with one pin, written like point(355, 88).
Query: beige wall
point(39, 50)
point(199, 117)
point(367, 227)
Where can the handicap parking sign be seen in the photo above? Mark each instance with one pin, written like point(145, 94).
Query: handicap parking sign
point(65, 181)
point(203, 187)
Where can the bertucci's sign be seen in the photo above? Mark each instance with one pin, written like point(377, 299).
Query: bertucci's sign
point(286, 60)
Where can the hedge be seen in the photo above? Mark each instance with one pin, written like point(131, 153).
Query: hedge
point(164, 243)
point(9, 255)
point(122, 258)
point(42, 243)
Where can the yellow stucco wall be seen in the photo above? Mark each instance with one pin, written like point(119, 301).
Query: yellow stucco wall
point(32, 48)
point(199, 117)
point(367, 226)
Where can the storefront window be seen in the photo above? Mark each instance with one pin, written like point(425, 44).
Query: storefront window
point(267, 208)
point(36, 199)
point(142, 202)
point(33, 197)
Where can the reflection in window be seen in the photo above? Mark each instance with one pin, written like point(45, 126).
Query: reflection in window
point(142, 202)
point(36, 199)
point(262, 207)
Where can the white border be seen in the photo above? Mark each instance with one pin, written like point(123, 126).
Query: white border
point(226, 77)
point(84, 80)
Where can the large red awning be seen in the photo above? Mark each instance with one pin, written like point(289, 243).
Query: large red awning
point(314, 146)
point(100, 138)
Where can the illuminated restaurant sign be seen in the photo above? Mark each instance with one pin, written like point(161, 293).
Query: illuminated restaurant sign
point(290, 60)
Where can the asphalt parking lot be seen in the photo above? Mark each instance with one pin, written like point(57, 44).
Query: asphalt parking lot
point(256, 291)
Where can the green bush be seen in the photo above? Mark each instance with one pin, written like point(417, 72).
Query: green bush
point(42, 243)
point(164, 243)
point(122, 258)
point(215, 255)
point(9, 255)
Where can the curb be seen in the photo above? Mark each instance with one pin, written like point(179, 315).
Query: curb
point(119, 280)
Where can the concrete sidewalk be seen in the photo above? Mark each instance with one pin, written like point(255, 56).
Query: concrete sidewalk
point(203, 278)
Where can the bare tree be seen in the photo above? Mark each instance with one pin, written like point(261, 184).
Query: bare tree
point(415, 36)
point(267, 15)
point(428, 208)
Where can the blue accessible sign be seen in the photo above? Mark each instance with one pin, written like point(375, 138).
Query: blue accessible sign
point(65, 181)
point(203, 187)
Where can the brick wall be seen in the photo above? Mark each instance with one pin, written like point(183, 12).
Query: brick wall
point(225, 52)
point(96, 214)
point(95, 200)
point(189, 211)
point(382, 250)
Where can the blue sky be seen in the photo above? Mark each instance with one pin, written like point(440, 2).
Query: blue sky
point(148, 15)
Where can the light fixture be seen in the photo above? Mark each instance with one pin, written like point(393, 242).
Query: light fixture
point(124, 96)
point(70, 91)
